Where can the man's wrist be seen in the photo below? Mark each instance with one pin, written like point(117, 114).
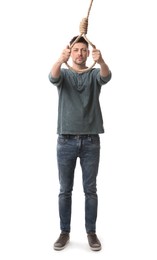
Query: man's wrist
point(59, 62)
point(102, 63)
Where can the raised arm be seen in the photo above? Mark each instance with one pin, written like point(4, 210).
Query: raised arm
point(97, 57)
point(55, 71)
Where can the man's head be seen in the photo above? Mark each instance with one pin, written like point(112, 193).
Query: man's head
point(79, 51)
point(81, 39)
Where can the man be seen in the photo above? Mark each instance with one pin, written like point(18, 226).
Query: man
point(79, 124)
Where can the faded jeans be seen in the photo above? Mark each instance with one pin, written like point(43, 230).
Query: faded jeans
point(69, 148)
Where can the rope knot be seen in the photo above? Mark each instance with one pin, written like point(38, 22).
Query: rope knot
point(84, 26)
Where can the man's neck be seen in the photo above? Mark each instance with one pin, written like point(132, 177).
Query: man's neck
point(79, 67)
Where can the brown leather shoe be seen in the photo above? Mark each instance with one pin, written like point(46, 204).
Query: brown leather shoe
point(62, 241)
point(93, 241)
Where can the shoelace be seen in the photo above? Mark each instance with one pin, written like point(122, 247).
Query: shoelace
point(63, 237)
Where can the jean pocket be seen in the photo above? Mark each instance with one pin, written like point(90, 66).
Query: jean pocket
point(62, 140)
point(95, 139)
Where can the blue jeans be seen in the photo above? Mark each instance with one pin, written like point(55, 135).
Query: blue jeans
point(69, 148)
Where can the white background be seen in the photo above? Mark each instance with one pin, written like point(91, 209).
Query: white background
point(32, 35)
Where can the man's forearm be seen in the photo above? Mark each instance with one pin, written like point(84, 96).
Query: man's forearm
point(104, 69)
point(56, 69)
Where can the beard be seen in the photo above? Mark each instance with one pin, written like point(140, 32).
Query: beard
point(79, 61)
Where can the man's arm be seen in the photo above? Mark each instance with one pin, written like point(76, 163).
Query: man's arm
point(56, 68)
point(97, 57)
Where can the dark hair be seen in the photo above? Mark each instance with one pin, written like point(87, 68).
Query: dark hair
point(81, 39)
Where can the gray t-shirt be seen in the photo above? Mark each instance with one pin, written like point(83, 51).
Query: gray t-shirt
point(79, 110)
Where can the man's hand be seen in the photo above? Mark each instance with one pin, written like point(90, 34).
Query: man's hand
point(65, 55)
point(97, 57)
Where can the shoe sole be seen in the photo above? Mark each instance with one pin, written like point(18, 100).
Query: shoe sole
point(95, 249)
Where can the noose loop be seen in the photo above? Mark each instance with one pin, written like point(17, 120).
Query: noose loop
point(83, 31)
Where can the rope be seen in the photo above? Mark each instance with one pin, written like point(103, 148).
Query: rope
point(89, 8)
point(83, 28)
point(84, 22)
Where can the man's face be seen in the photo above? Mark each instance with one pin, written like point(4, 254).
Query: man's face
point(79, 53)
